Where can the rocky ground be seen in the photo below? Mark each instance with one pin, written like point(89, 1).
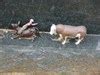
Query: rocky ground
point(46, 57)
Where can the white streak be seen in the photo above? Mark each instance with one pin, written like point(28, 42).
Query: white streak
point(78, 41)
point(53, 29)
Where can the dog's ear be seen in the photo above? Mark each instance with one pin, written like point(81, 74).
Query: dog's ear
point(12, 24)
point(18, 22)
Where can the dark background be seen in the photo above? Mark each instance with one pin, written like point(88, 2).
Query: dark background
point(46, 12)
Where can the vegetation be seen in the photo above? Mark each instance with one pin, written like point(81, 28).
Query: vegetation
point(46, 12)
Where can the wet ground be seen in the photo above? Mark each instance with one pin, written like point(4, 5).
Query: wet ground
point(46, 57)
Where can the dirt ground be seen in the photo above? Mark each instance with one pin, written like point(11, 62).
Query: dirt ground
point(46, 57)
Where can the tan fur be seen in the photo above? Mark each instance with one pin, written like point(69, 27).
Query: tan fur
point(71, 31)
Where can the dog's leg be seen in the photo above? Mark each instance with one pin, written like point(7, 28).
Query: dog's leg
point(59, 39)
point(79, 38)
point(66, 40)
point(78, 41)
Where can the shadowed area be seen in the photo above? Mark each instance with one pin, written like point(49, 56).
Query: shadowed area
point(46, 57)
point(45, 13)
